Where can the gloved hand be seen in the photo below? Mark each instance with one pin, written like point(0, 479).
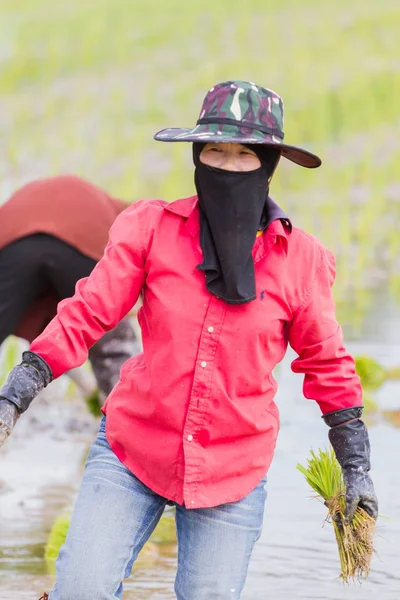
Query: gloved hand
point(109, 354)
point(22, 386)
point(9, 415)
point(349, 438)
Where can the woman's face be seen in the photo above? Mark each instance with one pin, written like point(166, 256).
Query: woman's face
point(230, 157)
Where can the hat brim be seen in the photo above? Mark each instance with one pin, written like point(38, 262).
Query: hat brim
point(200, 133)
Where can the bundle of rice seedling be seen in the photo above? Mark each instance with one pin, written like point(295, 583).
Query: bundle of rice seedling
point(354, 540)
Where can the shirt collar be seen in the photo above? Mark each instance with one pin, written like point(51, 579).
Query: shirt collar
point(274, 212)
point(183, 207)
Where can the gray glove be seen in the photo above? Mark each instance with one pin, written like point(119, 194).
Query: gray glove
point(359, 492)
point(23, 384)
point(349, 438)
point(9, 415)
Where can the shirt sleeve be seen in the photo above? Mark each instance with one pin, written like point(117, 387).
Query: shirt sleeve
point(329, 371)
point(100, 300)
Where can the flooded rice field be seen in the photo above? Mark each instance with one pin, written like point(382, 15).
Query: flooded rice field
point(296, 557)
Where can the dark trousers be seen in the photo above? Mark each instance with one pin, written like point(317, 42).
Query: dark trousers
point(38, 263)
point(31, 266)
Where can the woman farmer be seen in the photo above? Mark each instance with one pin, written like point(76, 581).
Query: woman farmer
point(52, 233)
point(227, 283)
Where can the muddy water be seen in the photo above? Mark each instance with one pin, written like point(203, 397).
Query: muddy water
point(296, 556)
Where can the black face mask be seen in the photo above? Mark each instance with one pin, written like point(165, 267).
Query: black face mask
point(231, 204)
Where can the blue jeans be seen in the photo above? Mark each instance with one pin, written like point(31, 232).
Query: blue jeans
point(114, 516)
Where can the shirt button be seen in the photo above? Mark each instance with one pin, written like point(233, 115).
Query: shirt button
point(203, 364)
point(190, 438)
point(211, 329)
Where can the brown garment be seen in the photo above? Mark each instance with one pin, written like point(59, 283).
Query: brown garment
point(68, 208)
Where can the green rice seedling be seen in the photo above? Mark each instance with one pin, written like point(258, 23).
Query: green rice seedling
point(393, 373)
point(392, 417)
point(165, 532)
point(354, 540)
point(56, 539)
point(10, 357)
point(373, 374)
point(369, 402)
point(93, 404)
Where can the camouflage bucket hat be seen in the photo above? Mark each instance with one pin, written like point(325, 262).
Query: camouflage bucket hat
point(241, 112)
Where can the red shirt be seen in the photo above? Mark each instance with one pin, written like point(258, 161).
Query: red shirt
point(193, 416)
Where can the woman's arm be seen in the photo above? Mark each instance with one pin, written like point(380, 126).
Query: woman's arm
point(100, 300)
point(330, 378)
point(329, 371)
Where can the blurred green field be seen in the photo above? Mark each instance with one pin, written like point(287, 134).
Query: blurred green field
point(85, 85)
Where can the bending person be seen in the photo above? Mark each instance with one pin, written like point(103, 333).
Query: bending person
point(52, 233)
